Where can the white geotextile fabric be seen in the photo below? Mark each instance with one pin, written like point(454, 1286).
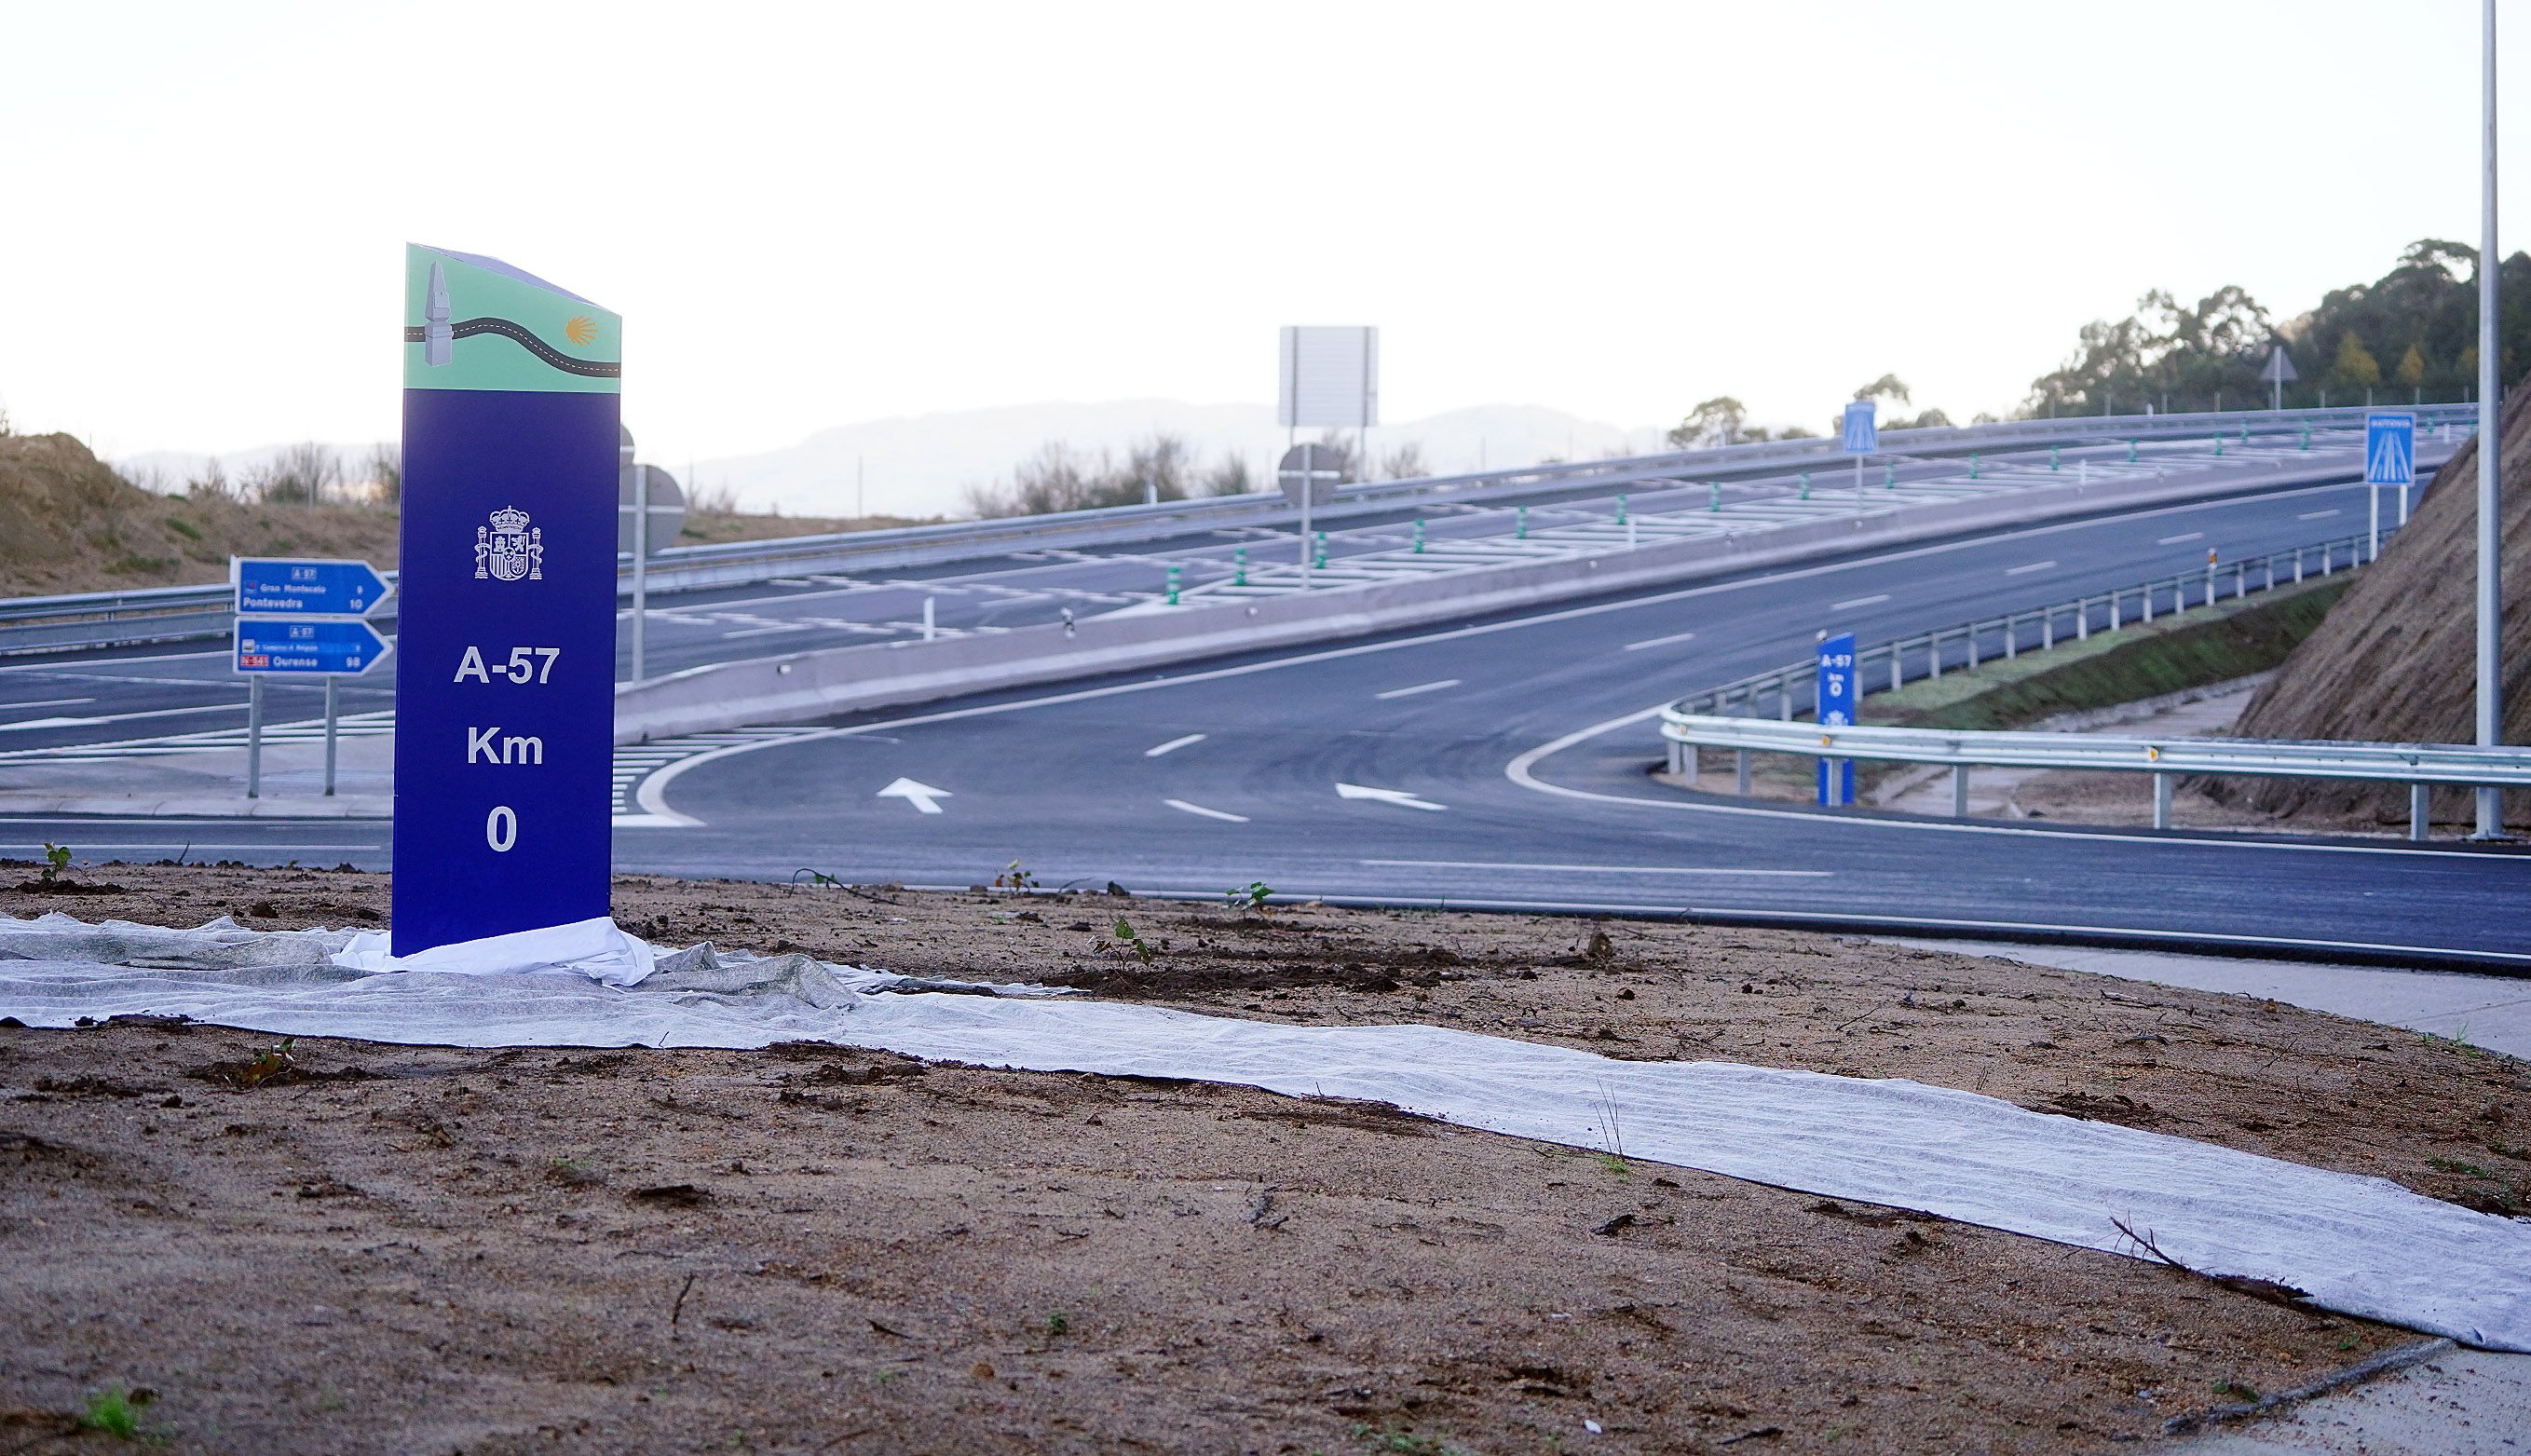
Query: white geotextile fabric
point(594, 948)
point(2361, 1246)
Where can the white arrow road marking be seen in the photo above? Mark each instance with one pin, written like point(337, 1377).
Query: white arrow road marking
point(1658, 641)
point(1172, 745)
point(1399, 797)
point(919, 795)
point(1210, 813)
point(1418, 688)
point(2173, 540)
point(1860, 602)
point(2023, 570)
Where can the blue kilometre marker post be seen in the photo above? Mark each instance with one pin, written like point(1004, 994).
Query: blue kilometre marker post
point(505, 688)
point(1836, 699)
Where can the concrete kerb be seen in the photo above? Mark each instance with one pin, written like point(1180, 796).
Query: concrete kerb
point(807, 685)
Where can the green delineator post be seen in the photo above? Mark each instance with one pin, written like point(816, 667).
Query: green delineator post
point(1806, 484)
point(1320, 560)
point(1520, 523)
point(1419, 536)
point(1239, 567)
point(1174, 583)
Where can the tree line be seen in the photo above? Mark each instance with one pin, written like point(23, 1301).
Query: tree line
point(2410, 336)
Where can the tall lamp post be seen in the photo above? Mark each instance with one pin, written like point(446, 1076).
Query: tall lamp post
point(2491, 448)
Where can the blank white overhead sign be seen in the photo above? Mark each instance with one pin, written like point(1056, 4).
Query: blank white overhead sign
point(1329, 377)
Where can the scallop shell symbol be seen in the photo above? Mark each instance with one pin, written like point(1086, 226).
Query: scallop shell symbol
point(581, 329)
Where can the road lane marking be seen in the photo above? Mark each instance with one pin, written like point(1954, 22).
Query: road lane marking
point(1399, 797)
point(155, 712)
point(1418, 688)
point(2314, 514)
point(1658, 641)
point(49, 703)
point(1210, 813)
point(1172, 745)
point(1860, 602)
point(1599, 868)
point(2194, 535)
point(2023, 570)
point(653, 793)
point(918, 794)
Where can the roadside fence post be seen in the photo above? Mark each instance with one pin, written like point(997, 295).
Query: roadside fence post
point(2419, 805)
point(931, 619)
point(2162, 801)
point(1960, 791)
point(1743, 756)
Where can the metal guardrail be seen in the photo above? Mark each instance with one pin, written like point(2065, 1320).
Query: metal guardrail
point(1706, 720)
point(2420, 765)
point(183, 613)
point(1962, 647)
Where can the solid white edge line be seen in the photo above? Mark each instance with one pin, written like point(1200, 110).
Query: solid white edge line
point(2316, 515)
point(1210, 813)
point(1600, 869)
point(1418, 688)
point(656, 784)
point(1172, 745)
point(2023, 570)
point(1860, 602)
point(2173, 540)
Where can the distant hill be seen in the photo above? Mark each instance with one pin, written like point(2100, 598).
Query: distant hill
point(2396, 659)
point(921, 464)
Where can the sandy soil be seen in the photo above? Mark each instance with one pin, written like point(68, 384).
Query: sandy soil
point(813, 1248)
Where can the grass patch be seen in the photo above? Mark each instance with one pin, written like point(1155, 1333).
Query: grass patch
point(2195, 648)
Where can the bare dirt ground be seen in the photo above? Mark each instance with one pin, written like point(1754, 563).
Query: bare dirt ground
point(813, 1248)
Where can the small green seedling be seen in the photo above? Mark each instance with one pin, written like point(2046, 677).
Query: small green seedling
point(818, 879)
point(1128, 942)
point(57, 858)
point(1016, 877)
point(1056, 1323)
point(269, 1063)
point(1250, 896)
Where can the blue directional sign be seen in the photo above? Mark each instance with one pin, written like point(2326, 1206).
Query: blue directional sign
point(314, 589)
point(311, 645)
point(1861, 429)
point(505, 684)
point(1836, 699)
point(2391, 448)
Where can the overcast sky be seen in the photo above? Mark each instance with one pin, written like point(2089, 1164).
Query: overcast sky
point(837, 212)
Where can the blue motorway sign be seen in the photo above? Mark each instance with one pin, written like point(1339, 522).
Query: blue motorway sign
point(1862, 430)
point(317, 589)
point(505, 684)
point(1837, 704)
point(314, 646)
point(2391, 448)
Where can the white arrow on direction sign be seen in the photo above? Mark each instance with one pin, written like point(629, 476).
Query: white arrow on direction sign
point(919, 795)
point(1399, 797)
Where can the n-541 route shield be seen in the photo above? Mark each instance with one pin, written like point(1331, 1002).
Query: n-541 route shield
point(505, 684)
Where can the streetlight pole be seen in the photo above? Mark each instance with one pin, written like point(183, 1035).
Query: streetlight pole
point(2491, 448)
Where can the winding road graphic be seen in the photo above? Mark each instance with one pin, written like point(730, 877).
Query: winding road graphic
point(526, 339)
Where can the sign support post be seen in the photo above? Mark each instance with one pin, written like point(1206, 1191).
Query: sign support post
point(505, 699)
point(331, 702)
point(255, 737)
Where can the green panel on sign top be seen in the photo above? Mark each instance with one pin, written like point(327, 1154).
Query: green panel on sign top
point(473, 323)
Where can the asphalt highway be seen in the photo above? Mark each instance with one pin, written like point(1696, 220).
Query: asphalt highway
point(69, 699)
point(1503, 762)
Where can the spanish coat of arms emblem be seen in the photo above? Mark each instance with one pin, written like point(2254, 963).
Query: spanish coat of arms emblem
point(510, 548)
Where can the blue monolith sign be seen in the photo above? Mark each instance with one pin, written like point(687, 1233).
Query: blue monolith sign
point(505, 686)
point(1836, 699)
